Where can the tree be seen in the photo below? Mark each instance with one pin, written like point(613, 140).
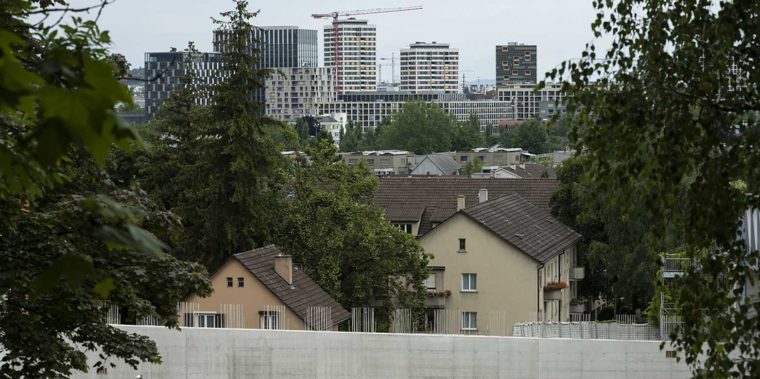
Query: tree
point(671, 119)
point(235, 170)
point(349, 141)
point(467, 135)
point(532, 136)
point(473, 166)
point(70, 241)
point(338, 235)
point(422, 128)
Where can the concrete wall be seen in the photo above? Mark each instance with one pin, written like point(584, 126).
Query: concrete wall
point(247, 353)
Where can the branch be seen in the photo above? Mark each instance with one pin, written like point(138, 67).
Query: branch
point(100, 5)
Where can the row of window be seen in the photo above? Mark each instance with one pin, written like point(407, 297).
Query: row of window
point(469, 282)
point(240, 281)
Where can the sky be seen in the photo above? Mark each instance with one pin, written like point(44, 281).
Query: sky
point(560, 28)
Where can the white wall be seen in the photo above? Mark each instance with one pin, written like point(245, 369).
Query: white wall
point(250, 353)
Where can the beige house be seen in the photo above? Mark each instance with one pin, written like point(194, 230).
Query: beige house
point(490, 156)
point(262, 289)
point(497, 263)
point(383, 162)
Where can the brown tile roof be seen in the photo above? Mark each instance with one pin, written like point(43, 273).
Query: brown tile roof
point(435, 198)
point(524, 225)
point(304, 292)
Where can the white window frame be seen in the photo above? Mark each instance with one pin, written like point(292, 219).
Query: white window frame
point(269, 320)
point(469, 320)
point(472, 285)
point(202, 319)
point(430, 280)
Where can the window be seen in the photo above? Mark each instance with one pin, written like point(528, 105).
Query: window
point(229, 282)
point(463, 158)
point(462, 244)
point(430, 282)
point(241, 282)
point(207, 320)
point(469, 320)
point(269, 320)
point(469, 282)
point(406, 228)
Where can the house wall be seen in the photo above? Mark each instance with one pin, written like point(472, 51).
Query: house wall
point(496, 158)
point(557, 269)
point(426, 167)
point(507, 278)
point(254, 296)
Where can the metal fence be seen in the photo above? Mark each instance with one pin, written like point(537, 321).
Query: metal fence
point(587, 330)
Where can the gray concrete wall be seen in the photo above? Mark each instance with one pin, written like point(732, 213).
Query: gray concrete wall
point(250, 353)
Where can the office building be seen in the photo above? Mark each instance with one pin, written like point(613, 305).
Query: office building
point(530, 104)
point(356, 50)
point(515, 64)
point(280, 46)
point(163, 71)
point(427, 67)
point(292, 93)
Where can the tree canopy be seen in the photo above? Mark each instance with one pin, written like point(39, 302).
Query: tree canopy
point(422, 128)
point(667, 115)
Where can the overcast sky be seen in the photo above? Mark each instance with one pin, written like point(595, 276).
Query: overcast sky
point(560, 28)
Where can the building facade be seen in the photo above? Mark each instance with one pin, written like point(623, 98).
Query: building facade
point(515, 64)
point(292, 93)
point(164, 70)
point(427, 67)
point(383, 162)
point(530, 104)
point(279, 46)
point(357, 54)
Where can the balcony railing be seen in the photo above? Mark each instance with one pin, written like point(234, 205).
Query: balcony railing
point(577, 273)
point(674, 266)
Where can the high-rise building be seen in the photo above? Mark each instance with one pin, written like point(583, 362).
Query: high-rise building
point(163, 71)
point(529, 104)
point(429, 67)
point(280, 46)
point(515, 64)
point(356, 50)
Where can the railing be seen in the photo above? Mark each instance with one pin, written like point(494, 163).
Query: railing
point(673, 266)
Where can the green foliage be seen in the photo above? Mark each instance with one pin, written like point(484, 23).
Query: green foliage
point(606, 314)
point(351, 139)
point(340, 238)
point(473, 166)
point(422, 128)
point(671, 120)
point(467, 135)
point(532, 136)
point(71, 242)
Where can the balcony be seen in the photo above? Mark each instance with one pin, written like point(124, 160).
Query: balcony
point(577, 307)
point(553, 291)
point(577, 273)
point(436, 299)
point(674, 266)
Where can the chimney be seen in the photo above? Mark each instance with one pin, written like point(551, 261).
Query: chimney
point(482, 195)
point(283, 266)
point(460, 202)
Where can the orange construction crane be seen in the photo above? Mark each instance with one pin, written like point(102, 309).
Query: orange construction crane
point(336, 14)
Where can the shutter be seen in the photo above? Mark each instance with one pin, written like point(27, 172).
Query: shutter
point(188, 319)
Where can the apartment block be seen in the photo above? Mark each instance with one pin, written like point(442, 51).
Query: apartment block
point(279, 46)
point(515, 64)
point(355, 46)
point(427, 67)
point(529, 103)
point(292, 93)
point(383, 162)
point(163, 71)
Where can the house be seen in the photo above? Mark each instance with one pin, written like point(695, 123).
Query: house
point(262, 289)
point(418, 204)
point(383, 162)
point(333, 124)
point(517, 171)
point(436, 165)
point(490, 156)
point(500, 262)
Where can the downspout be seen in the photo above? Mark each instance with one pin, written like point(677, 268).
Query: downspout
point(538, 286)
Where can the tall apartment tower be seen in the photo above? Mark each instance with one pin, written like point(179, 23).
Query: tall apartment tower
point(427, 67)
point(357, 55)
point(515, 64)
point(164, 69)
point(280, 46)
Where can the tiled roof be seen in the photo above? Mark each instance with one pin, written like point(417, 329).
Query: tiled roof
point(532, 171)
point(524, 225)
point(304, 292)
point(444, 162)
point(436, 197)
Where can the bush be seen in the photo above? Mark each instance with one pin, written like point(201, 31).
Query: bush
point(607, 313)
